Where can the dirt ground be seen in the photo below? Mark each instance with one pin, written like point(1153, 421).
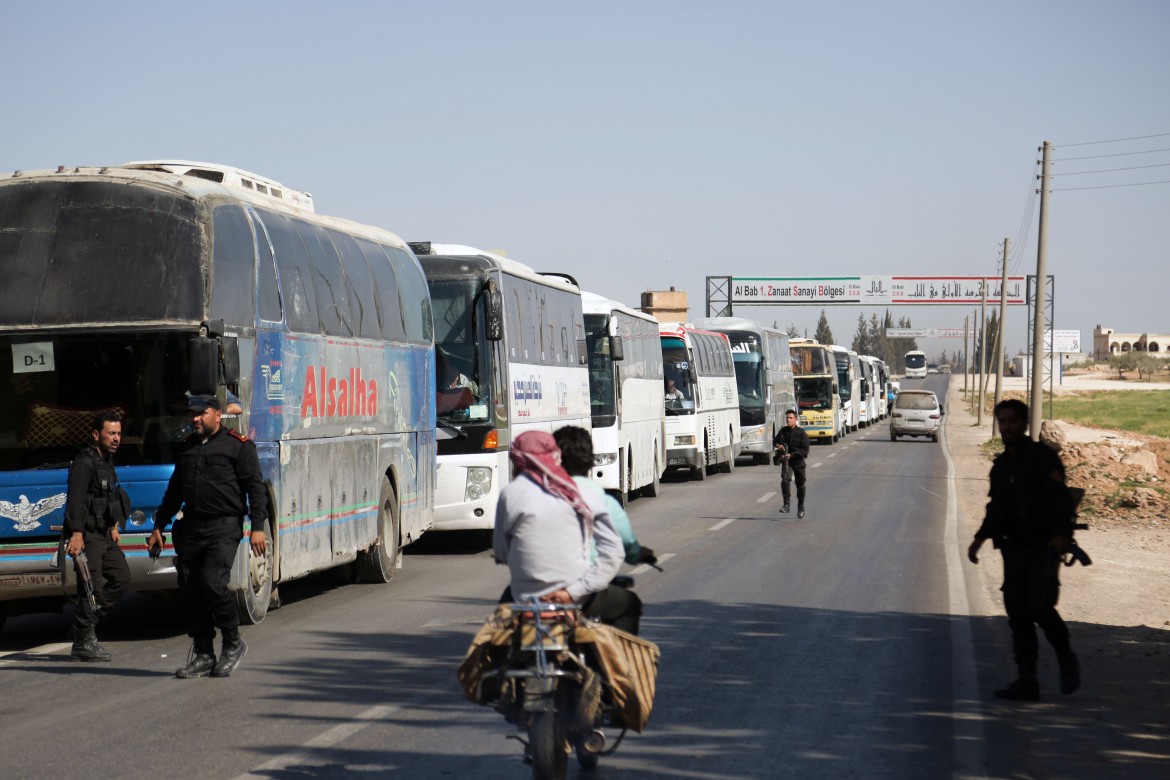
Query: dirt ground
point(1118, 609)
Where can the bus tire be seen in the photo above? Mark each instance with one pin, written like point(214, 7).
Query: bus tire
point(728, 466)
point(651, 490)
point(378, 563)
point(253, 599)
point(627, 492)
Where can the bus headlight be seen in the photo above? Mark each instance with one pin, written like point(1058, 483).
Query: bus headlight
point(755, 434)
point(604, 458)
point(479, 483)
point(684, 441)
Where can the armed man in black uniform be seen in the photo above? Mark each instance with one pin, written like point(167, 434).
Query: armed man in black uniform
point(216, 482)
point(792, 446)
point(94, 505)
point(1030, 519)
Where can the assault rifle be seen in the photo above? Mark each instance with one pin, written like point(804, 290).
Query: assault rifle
point(1075, 553)
point(81, 563)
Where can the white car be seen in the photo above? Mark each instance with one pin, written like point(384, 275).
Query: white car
point(916, 413)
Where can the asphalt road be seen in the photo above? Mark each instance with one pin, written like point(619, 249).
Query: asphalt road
point(822, 647)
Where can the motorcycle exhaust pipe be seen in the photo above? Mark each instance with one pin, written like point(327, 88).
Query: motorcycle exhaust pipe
point(595, 742)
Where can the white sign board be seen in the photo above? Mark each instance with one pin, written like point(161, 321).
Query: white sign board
point(29, 358)
point(1062, 340)
point(874, 290)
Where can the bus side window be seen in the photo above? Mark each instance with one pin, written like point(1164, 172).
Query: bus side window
point(361, 285)
point(233, 267)
point(415, 300)
point(328, 280)
point(386, 281)
point(268, 301)
point(296, 277)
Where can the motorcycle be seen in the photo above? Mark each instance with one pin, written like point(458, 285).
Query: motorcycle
point(551, 684)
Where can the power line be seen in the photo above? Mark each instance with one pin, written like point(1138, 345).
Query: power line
point(1110, 186)
point(1110, 170)
point(1119, 154)
point(1116, 140)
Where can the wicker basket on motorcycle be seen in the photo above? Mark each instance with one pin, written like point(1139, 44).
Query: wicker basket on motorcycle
point(488, 652)
point(630, 667)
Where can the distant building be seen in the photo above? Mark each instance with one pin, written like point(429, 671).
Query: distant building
point(1106, 342)
point(667, 305)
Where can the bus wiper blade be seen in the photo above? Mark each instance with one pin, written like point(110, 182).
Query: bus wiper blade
point(444, 424)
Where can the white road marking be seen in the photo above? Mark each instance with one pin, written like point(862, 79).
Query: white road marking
point(766, 497)
point(817, 464)
point(966, 706)
point(645, 567)
point(722, 524)
point(831, 455)
point(326, 739)
point(42, 650)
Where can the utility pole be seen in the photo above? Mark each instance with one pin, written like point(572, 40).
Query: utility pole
point(966, 354)
point(999, 336)
point(982, 352)
point(1037, 397)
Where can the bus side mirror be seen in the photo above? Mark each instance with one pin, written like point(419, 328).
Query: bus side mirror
point(203, 366)
point(616, 349)
point(693, 373)
point(231, 360)
point(494, 303)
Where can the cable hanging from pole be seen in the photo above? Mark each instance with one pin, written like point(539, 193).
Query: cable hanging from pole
point(1117, 154)
point(1110, 186)
point(1115, 140)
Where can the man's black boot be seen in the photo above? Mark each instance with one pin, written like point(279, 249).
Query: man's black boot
point(86, 647)
point(1070, 672)
point(800, 511)
point(1020, 689)
point(785, 509)
point(232, 653)
point(201, 661)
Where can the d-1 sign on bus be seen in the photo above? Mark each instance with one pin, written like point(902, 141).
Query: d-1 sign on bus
point(328, 396)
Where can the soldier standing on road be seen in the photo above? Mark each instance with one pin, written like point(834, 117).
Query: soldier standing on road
point(792, 446)
point(1030, 519)
point(216, 482)
point(94, 505)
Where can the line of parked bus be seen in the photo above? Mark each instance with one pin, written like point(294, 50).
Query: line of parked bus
point(381, 382)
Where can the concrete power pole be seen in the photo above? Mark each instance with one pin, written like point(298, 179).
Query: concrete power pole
point(982, 391)
point(999, 336)
point(1037, 397)
point(966, 354)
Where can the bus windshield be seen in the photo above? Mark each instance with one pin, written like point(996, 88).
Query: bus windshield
point(915, 360)
point(47, 407)
point(750, 377)
point(462, 367)
point(679, 397)
point(601, 384)
point(814, 393)
point(810, 360)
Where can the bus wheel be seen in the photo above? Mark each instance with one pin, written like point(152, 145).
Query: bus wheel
point(651, 490)
point(378, 563)
point(253, 599)
point(626, 494)
point(728, 466)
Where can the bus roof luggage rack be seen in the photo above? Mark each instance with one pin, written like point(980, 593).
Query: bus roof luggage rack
point(228, 176)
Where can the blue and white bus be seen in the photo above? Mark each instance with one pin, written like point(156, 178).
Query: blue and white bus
point(510, 355)
point(701, 399)
point(127, 287)
point(848, 386)
point(625, 394)
point(763, 378)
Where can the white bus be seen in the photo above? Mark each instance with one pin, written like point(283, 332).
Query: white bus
point(848, 387)
point(625, 393)
point(510, 357)
point(870, 390)
point(915, 364)
point(763, 376)
point(883, 377)
point(702, 413)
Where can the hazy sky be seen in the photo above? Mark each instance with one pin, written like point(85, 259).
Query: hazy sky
point(640, 145)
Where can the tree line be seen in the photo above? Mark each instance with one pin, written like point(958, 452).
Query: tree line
point(870, 338)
